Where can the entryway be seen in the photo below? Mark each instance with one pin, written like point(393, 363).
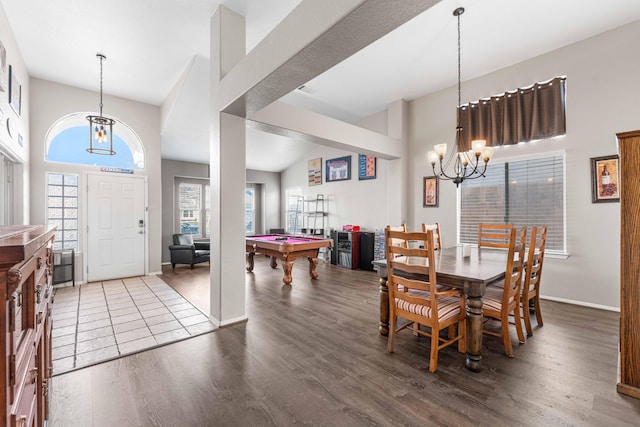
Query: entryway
point(116, 226)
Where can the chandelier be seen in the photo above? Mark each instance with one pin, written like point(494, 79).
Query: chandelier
point(100, 127)
point(466, 164)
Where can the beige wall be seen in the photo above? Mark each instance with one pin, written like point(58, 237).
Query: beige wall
point(602, 99)
point(51, 101)
point(271, 215)
point(170, 170)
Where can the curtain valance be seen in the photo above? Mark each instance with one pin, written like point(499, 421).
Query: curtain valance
point(526, 114)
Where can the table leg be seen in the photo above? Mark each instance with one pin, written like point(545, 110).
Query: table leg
point(474, 333)
point(313, 262)
point(287, 266)
point(384, 307)
point(250, 261)
point(274, 262)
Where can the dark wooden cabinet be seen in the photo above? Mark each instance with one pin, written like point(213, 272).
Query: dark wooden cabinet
point(629, 146)
point(367, 244)
point(346, 249)
point(26, 273)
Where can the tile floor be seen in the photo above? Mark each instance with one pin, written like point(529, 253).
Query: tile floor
point(101, 321)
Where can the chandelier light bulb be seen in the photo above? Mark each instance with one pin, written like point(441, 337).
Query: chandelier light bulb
point(433, 157)
point(478, 146)
point(440, 149)
point(487, 153)
point(464, 158)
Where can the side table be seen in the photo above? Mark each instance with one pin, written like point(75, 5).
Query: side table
point(64, 269)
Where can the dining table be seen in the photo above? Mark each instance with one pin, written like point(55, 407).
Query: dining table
point(470, 271)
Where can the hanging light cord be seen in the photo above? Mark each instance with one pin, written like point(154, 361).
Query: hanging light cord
point(102, 58)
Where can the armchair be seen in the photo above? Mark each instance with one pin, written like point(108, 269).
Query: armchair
point(185, 251)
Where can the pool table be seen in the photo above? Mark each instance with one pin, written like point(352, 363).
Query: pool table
point(286, 248)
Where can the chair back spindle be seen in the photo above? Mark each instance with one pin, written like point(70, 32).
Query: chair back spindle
point(532, 276)
point(437, 239)
point(494, 235)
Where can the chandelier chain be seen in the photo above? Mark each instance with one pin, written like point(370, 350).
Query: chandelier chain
point(101, 59)
point(459, 71)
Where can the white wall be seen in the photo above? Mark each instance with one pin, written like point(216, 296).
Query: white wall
point(51, 101)
point(353, 202)
point(9, 145)
point(602, 99)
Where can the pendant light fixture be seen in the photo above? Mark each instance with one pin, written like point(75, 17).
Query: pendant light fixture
point(466, 162)
point(101, 127)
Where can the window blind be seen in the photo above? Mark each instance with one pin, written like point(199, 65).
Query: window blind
point(525, 192)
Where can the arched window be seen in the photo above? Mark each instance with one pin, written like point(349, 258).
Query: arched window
point(68, 139)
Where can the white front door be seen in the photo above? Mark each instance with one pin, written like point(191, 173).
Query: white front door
point(115, 227)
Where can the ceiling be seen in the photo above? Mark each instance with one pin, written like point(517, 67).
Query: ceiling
point(160, 48)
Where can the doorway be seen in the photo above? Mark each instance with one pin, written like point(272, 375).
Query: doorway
point(116, 238)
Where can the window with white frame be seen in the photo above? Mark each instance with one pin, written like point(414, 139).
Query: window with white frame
point(250, 210)
point(294, 210)
point(193, 206)
point(66, 142)
point(62, 209)
point(529, 192)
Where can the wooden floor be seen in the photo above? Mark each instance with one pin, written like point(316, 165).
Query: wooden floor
point(311, 354)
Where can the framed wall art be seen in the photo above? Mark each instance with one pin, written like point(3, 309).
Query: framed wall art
point(366, 167)
point(315, 171)
point(338, 169)
point(430, 192)
point(3, 68)
point(605, 179)
point(15, 91)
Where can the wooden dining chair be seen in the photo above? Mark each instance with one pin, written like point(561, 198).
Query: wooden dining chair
point(494, 235)
point(418, 299)
point(499, 302)
point(435, 227)
point(397, 242)
point(532, 275)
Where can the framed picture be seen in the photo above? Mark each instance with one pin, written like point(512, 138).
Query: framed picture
point(605, 179)
point(366, 167)
point(15, 91)
point(315, 171)
point(338, 169)
point(430, 192)
point(3, 68)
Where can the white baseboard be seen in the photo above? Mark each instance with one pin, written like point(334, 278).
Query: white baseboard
point(219, 324)
point(582, 303)
point(155, 273)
